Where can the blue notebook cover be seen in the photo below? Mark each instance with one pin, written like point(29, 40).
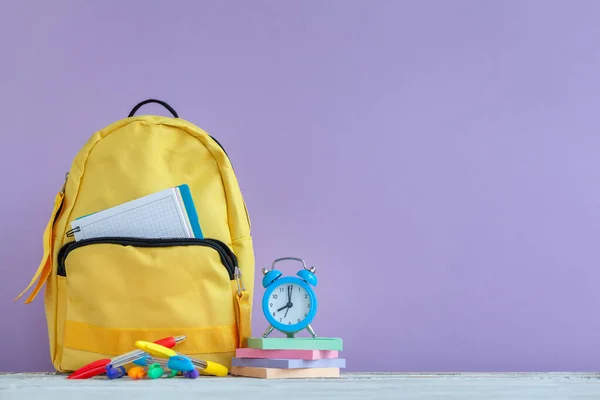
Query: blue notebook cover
point(190, 208)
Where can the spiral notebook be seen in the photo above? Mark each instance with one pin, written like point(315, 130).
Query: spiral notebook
point(170, 213)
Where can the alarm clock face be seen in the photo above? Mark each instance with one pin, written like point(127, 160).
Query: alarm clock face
point(290, 304)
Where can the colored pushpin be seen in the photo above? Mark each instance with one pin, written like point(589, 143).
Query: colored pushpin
point(136, 372)
point(155, 371)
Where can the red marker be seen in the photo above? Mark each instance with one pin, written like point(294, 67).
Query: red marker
point(99, 366)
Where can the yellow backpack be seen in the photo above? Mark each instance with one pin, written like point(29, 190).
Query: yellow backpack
point(105, 293)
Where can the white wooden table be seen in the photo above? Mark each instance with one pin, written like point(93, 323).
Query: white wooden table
point(526, 386)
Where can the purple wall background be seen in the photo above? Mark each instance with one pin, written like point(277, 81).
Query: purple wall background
point(436, 160)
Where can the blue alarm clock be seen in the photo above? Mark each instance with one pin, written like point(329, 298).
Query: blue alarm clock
point(289, 303)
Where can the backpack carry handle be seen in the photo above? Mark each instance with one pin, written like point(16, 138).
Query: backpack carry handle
point(162, 103)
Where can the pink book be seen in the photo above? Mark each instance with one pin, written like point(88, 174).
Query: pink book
point(286, 354)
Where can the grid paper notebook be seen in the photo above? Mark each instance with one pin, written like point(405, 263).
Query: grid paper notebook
point(169, 213)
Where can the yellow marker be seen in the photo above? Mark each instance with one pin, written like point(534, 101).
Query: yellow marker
point(212, 368)
point(155, 349)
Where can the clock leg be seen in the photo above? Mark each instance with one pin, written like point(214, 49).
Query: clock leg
point(311, 331)
point(269, 330)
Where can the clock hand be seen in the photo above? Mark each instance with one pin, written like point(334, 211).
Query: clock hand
point(289, 303)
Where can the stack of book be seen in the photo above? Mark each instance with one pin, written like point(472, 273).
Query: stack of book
point(280, 358)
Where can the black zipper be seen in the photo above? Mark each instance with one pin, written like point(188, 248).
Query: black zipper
point(228, 258)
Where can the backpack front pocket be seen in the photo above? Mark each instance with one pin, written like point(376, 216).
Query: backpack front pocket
point(120, 290)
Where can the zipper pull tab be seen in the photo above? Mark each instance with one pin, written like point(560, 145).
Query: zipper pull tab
point(238, 280)
point(243, 310)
